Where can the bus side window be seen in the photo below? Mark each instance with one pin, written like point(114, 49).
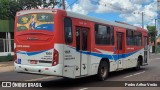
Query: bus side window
point(104, 34)
point(68, 30)
point(129, 36)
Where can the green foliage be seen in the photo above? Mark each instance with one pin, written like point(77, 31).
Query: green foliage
point(8, 8)
point(51, 2)
point(152, 32)
point(28, 4)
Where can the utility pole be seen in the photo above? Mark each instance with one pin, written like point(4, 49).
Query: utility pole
point(141, 13)
point(63, 4)
point(155, 34)
point(142, 20)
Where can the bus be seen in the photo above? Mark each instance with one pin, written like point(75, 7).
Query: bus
point(67, 44)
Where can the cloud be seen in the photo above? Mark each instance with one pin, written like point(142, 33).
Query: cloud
point(83, 7)
point(139, 25)
point(136, 16)
point(152, 23)
point(87, 5)
point(108, 6)
point(77, 8)
point(141, 1)
point(129, 10)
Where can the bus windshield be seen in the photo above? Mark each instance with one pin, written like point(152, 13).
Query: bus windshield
point(40, 21)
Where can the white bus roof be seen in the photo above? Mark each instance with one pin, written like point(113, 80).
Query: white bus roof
point(89, 18)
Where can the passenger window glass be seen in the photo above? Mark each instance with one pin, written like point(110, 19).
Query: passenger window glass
point(68, 30)
point(104, 34)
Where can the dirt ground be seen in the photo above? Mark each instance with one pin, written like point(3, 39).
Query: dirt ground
point(6, 66)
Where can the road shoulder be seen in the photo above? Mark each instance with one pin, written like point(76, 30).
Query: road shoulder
point(6, 66)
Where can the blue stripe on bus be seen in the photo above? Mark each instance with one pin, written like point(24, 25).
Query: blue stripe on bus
point(32, 53)
point(111, 57)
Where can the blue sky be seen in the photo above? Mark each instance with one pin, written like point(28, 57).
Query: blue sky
point(120, 10)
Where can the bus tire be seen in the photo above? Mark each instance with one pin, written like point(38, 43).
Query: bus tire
point(138, 66)
point(103, 71)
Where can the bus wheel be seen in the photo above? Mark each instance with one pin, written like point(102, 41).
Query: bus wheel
point(138, 67)
point(103, 71)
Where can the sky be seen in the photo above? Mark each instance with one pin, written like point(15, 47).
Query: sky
point(129, 11)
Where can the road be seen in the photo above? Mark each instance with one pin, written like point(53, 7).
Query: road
point(147, 73)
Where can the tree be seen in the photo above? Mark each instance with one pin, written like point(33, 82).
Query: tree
point(152, 32)
point(13, 8)
point(4, 9)
point(8, 8)
point(52, 3)
point(29, 4)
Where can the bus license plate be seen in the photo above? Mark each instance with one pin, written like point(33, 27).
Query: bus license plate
point(33, 62)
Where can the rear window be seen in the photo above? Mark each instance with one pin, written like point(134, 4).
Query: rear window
point(40, 21)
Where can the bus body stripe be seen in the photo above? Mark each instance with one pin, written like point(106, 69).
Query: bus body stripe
point(111, 57)
point(31, 53)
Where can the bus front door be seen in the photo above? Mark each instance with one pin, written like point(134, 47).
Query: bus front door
point(82, 43)
point(120, 49)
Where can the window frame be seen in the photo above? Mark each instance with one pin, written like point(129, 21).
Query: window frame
point(111, 29)
point(139, 33)
point(133, 43)
point(71, 31)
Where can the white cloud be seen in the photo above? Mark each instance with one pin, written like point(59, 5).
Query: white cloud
point(136, 16)
point(127, 9)
point(141, 1)
point(145, 27)
point(139, 25)
point(152, 23)
point(107, 6)
point(87, 5)
point(77, 8)
point(83, 7)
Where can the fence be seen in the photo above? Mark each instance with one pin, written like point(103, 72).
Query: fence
point(6, 45)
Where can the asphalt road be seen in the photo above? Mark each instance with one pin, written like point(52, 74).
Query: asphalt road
point(147, 73)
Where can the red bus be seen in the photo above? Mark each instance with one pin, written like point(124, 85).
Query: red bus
point(64, 43)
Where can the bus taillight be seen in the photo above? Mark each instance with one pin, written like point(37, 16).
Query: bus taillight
point(55, 58)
